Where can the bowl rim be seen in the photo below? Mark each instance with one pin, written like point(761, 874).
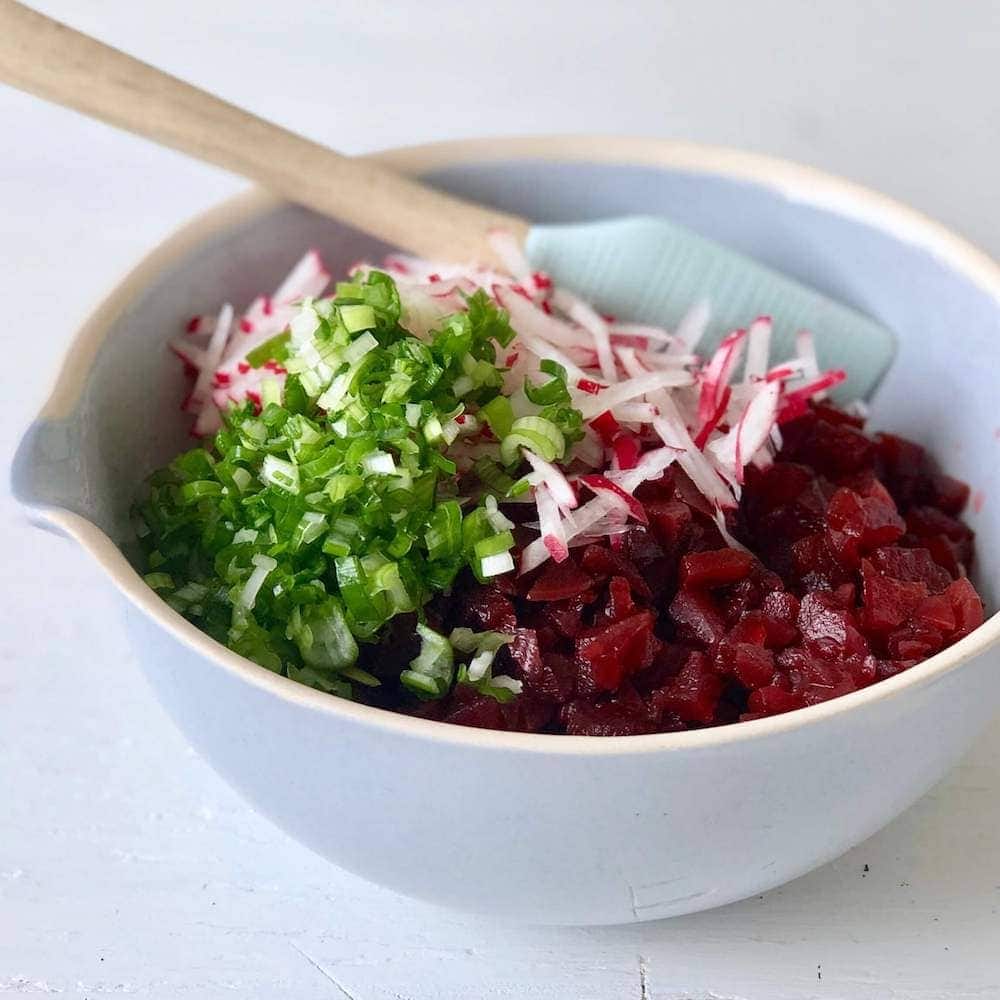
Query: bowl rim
point(793, 181)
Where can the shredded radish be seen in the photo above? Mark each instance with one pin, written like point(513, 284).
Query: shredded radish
point(738, 446)
point(199, 397)
point(602, 483)
point(621, 392)
point(758, 349)
point(717, 373)
point(793, 404)
point(510, 253)
point(536, 323)
point(692, 327)
point(550, 524)
point(555, 481)
point(652, 465)
point(806, 349)
point(701, 438)
point(583, 314)
point(627, 450)
point(640, 335)
point(636, 413)
point(307, 279)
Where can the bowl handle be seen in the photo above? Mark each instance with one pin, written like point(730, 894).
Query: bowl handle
point(47, 471)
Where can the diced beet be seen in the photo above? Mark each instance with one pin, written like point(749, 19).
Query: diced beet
point(670, 521)
point(864, 670)
point(968, 607)
point(821, 620)
point(752, 666)
point(623, 715)
point(397, 646)
point(670, 722)
point(738, 599)
point(602, 561)
point(703, 538)
point(548, 638)
point(605, 655)
point(657, 489)
point(666, 665)
point(751, 629)
point(902, 463)
point(803, 516)
point(927, 521)
point(654, 646)
point(815, 679)
point(867, 522)
point(693, 694)
point(780, 611)
point(889, 668)
point(937, 612)
point(767, 581)
point(550, 677)
point(487, 610)
point(799, 667)
point(522, 655)
point(620, 604)
point(914, 642)
point(559, 581)
point(433, 710)
point(813, 694)
point(947, 494)
point(772, 700)
point(857, 644)
point(716, 568)
point(834, 450)
point(834, 416)
point(945, 554)
point(911, 565)
point(526, 714)
point(606, 426)
point(698, 616)
point(816, 564)
point(888, 602)
point(467, 707)
point(567, 617)
point(867, 484)
point(510, 584)
point(640, 547)
point(470, 708)
point(776, 486)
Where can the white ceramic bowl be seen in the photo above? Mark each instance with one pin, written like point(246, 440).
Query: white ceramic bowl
point(554, 829)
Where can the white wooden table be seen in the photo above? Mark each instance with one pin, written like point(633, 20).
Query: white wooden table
point(126, 866)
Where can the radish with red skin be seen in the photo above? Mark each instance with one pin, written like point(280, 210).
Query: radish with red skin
point(603, 484)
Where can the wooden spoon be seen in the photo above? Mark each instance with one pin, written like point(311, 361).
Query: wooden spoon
point(643, 268)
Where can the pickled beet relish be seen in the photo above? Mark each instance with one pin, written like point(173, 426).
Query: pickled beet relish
point(858, 572)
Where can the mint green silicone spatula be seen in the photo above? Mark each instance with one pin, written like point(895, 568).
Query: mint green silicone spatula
point(647, 269)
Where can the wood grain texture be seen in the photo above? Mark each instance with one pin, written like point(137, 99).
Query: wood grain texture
point(51, 60)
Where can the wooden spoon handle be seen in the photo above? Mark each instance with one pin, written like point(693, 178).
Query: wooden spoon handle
point(51, 60)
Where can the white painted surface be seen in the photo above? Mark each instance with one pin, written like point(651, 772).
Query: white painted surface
point(126, 866)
